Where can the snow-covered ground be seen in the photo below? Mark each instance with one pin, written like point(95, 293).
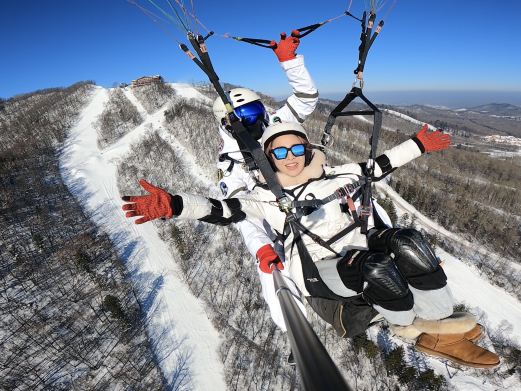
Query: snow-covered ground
point(407, 118)
point(177, 323)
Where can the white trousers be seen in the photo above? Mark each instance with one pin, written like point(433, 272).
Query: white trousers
point(270, 296)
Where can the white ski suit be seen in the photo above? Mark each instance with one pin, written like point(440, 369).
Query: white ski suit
point(237, 181)
point(325, 221)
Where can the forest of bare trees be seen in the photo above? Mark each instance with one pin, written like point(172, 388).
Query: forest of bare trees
point(69, 318)
point(153, 96)
point(118, 117)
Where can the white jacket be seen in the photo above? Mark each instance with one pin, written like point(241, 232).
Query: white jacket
point(325, 221)
point(236, 179)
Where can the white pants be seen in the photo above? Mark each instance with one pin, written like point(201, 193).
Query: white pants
point(270, 296)
point(431, 305)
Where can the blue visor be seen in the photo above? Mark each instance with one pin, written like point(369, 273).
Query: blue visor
point(251, 112)
point(282, 152)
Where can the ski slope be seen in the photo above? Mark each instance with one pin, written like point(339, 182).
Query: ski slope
point(177, 323)
point(181, 333)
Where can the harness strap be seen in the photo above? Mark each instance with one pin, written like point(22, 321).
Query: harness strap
point(317, 239)
point(265, 43)
point(295, 114)
point(232, 161)
point(312, 280)
point(341, 192)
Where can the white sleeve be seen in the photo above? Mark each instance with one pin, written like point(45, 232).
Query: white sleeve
point(403, 153)
point(254, 235)
point(234, 180)
point(392, 158)
point(196, 207)
point(305, 95)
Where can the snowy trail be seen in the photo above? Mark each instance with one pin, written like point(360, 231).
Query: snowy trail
point(177, 323)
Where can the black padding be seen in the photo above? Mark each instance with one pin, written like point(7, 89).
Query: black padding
point(349, 317)
point(235, 208)
point(412, 253)
point(216, 213)
point(350, 272)
point(430, 281)
point(385, 285)
point(413, 256)
point(217, 208)
point(176, 203)
point(384, 163)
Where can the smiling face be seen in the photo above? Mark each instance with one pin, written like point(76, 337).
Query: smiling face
point(291, 165)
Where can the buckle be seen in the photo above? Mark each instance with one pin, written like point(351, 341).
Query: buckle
point(285, 204)
point(365, 211)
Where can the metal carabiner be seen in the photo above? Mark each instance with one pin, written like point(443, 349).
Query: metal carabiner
point(285, 204)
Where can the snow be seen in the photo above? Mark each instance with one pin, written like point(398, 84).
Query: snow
point(438, 107)
point(189, 92)
point(509, 140)
point(469, 286)
point(177, 323)
point(408, 118)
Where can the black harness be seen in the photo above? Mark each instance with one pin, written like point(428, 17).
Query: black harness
point(347, 193)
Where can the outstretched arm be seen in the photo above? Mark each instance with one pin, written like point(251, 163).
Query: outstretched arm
point(305, 95)
point(423, 142)
point(161, 204)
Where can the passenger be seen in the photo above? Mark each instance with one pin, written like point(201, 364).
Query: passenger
point(327, 256)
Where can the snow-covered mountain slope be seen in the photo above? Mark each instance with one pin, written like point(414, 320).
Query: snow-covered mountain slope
point(185, 341)
point(178, 325)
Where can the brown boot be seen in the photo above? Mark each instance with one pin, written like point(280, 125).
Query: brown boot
point(457, 348)
point(474, 334)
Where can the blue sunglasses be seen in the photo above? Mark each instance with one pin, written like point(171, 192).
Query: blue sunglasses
point(281, 153)
point(251, 112)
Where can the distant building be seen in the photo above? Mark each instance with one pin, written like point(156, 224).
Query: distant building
point(144, 80)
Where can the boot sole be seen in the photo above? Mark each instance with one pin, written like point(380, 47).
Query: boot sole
point(434, 353)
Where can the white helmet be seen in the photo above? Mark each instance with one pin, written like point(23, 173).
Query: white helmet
point(281, 128)
point(238, 97)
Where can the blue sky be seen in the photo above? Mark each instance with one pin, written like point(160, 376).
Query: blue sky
point(471, 48)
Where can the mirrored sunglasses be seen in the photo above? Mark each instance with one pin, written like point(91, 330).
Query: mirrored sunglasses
point(282, 152)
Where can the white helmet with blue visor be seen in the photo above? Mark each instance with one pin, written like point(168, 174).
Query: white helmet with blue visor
point(248, 107)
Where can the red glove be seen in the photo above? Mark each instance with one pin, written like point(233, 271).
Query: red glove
point(432, 141)
point(285, 49)
point(153, 206)
point(267, 257)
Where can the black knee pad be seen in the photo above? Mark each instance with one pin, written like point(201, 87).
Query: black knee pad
point(416, 260)
point(385, 285)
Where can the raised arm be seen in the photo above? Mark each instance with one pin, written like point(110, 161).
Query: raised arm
point(305, 95)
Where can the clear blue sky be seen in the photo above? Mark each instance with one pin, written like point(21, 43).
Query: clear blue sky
point(425, 45)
